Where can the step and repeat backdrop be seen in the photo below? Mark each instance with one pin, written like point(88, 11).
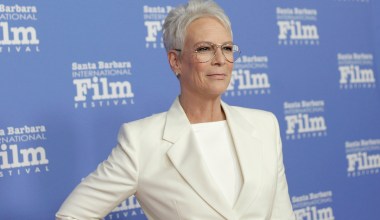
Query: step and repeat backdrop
point(73, 71)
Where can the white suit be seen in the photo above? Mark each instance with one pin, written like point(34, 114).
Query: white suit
point(156, 159)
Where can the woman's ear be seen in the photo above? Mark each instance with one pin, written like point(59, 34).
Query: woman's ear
point(174, 61)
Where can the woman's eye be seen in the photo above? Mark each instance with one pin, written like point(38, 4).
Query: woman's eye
point(203, 49)
point(227, 48)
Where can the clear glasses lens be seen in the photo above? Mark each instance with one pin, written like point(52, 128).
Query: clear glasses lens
point(206, 51)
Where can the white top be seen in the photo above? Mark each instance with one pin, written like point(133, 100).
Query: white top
point(217, 147)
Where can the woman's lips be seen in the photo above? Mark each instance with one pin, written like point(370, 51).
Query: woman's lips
point(218, 76)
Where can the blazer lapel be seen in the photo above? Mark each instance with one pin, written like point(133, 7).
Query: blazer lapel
point(187, 159)
point(249, 153)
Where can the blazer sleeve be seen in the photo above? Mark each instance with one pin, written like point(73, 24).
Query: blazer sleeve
point(282, 208)
point(112, 182)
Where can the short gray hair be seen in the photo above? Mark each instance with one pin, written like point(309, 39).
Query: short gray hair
point(178, 19)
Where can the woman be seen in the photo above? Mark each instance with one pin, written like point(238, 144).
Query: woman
point(203, 159)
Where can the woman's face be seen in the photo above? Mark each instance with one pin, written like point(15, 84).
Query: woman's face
point(209, 79)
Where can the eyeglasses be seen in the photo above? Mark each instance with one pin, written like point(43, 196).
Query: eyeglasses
point(205, 51)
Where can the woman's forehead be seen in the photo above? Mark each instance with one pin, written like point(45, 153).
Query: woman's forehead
point(207, 29)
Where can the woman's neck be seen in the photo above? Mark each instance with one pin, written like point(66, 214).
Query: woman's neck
point(200, 109)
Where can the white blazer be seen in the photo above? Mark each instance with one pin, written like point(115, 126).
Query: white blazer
point(157, 160)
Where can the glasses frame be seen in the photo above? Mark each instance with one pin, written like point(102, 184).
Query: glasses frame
point(215, 47)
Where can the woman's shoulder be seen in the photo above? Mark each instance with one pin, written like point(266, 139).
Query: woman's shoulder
point(252, 112)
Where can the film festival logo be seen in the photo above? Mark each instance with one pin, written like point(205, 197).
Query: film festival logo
point(297, 26)
point(17, 31)
point(154, 17)
point(102, 84)
point(356, 71)
point(363, 157)
point(19, 155)
point(128, 209)
point(313, 206)
point(305, 119)
point(249, 77)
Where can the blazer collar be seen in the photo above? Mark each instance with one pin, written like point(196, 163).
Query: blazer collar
point(188, 161)
point(176, 122)
point(249, 153)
